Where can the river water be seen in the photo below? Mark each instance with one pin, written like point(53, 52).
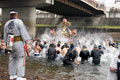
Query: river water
point(40, 69)
point(51, 71)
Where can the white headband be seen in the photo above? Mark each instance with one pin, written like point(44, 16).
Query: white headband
point(13, 12)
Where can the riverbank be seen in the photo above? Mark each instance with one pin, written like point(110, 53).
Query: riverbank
point(4, 70)
point(31, 69)
point(85, 28)
point(96, 27)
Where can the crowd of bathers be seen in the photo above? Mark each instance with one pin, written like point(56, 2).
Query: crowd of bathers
point(68, 53)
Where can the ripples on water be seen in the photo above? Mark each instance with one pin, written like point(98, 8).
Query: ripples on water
point(41, 69)
point(55, 71)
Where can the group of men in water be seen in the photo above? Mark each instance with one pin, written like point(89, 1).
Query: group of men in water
point(67, 52)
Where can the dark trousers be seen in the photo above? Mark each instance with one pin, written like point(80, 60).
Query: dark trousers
point(118, 70)
point(68, 63)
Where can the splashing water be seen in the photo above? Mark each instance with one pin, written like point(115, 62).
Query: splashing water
point(84, 38)
point(58, 37)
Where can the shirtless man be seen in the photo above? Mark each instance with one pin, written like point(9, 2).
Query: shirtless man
point(65, 49)
point(58, 48)
point(27, 48)
point(37, 49)
point(58, 51)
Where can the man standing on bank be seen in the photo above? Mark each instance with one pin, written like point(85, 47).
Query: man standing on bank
point(17, 55)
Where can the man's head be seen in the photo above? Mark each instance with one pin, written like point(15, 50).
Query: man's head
point(99, 47)
point(45, 42)
point(37, 43)
point(65, 21)
point(2, 41)
point(13, 14)
point(84, 47)
point(95, 47)
point(66, 45)
point(58, 45)
point(72, 45)
point(51, 45)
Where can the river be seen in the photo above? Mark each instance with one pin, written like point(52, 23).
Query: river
point(40, 69)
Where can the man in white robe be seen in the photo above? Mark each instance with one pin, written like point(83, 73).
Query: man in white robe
point(17, 56)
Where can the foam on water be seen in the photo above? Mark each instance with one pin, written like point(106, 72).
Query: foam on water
point(84, 38)
point(58, 37)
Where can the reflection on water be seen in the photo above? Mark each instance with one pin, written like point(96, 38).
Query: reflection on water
point(40, 69)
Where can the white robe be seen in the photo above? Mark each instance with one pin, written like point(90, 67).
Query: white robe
point(18, 30)
point(113, 75)
point(16, 59)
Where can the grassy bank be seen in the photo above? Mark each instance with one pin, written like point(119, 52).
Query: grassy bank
point(102, 27)
point(98, 27)
point(41, 25)
point(45, 25)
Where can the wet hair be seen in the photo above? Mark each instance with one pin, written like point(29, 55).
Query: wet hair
point(58, 52)
point(58, 45)
point(41, 46)
point(71, 45)
point(99, 46)
point(119, 56)
point(38, 40)
point(66, 45)
point(84, 46)
point(110, 44)
point(34, 40)
point(37, 43)
point(51, 45)
point(45, 42)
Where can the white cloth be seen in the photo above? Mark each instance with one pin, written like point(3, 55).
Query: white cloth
point(16, 66)
point(18, 30)
point(59, 57)
point(113, 75)
point(36, 53)
point(20, 78)
point(42, 53)
point(13, 77)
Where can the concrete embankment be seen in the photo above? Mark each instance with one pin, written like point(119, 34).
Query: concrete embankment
point(82, 21)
